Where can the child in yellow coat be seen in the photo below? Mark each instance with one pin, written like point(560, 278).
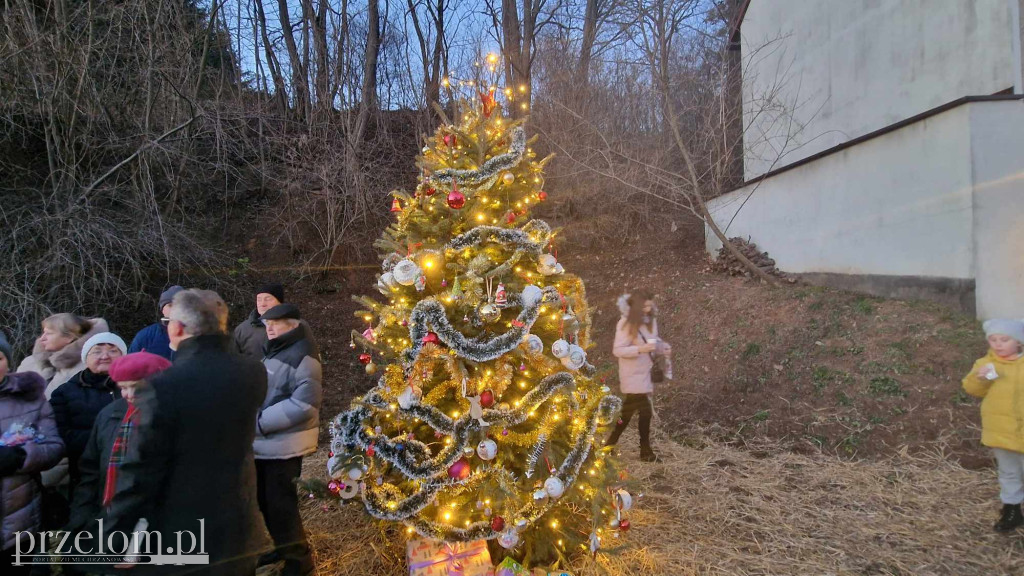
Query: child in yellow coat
point(998, 377)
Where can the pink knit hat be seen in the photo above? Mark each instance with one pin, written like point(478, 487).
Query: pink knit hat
point(137, 366)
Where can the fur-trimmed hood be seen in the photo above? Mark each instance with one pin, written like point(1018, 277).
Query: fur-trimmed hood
point(70, 355)
point(28, 385)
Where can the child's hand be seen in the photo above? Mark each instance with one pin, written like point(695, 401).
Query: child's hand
point(986, 372)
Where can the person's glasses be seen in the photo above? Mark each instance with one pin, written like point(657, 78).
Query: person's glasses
point(165, 321)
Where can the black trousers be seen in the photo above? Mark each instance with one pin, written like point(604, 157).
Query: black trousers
point(279, 502)
point(631, 404)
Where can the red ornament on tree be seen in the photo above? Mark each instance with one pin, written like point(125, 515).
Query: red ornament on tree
point(395, 206)
point(430, 191)
point(510, 217)
point(542, 195)
point(431, 338)
point(497, 523)
point(365, 358)
point(455, 199)
point(450, 140)
point(371, 450)
point(488, 102)
point(624, 525)
point(487, 398)
point(459, 470)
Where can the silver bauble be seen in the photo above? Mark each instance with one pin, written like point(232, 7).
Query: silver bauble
point(489, 312)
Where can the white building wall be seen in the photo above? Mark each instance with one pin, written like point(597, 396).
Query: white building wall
point(899, 204)
point(834, 70)
point(997, 156)
point(941, 199)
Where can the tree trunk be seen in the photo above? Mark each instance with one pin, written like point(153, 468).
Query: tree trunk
point(369, 92)
point(587, 45)
point(300, 79)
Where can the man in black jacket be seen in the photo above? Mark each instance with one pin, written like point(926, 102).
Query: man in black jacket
point(195, 470)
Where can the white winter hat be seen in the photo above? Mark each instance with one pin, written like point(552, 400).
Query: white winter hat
point(1007, 326)
point(104, 338)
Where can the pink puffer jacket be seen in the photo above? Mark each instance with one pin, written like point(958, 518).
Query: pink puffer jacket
point(634, 367)
point(23, 402)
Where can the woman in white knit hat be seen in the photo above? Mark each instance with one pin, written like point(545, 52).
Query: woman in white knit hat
point(77, 402)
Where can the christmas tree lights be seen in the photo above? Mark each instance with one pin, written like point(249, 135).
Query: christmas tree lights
point(484, 419)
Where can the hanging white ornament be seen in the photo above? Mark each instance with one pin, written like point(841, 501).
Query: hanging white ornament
point(548, 265)
point(540, 494)
point(410, 397)
point(354, 473)
point(554, 486)
point(560, 349)
point(349, 490)
point(575, 359)
point(623, 500)
point(334, 468)
point(534, 344)
point(531, 296)
point(487, 449)
point(508, 539)
point(406, 272)
point(421, 283)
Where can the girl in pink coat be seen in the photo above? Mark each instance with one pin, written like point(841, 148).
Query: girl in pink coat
point(639, 349)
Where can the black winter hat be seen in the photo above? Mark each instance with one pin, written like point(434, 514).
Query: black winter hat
point(282, 311)
point(275, 289)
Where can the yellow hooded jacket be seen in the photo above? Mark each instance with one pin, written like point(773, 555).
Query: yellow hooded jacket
point(1002, 407)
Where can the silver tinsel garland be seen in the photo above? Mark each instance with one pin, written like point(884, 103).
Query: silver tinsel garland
point(430, 315)
point(491, 168)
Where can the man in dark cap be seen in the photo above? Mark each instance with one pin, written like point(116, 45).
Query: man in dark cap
point(287, 429)
point(251, 334)
point(153, 338)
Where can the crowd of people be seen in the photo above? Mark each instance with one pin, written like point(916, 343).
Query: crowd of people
point(189, 428)
point(189, 423)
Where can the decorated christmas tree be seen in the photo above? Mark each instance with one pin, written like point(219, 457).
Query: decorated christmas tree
point(484, 422)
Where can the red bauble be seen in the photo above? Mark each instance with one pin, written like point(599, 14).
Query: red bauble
point(431, 338)
point(510, 217)
point(430, 191)
point(395, 206)
point(497, 523)
point(334, 487)
point(459, 470)
point(542, 195)
point(450, 140)
point(371, 450)
point(456, 199)
point(365, 358)
point(487, 398)
point(624, 525)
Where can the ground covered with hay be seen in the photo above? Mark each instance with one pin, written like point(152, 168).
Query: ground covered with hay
point(722, 510)
point(808, 431)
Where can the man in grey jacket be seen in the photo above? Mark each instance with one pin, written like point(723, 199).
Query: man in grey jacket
point(287, 429)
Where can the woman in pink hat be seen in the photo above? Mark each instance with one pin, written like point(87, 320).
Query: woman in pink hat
point(111, 440)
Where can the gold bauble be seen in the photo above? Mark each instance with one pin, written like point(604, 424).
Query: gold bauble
point(489, 312)
point(371, 368)
point(508, 178)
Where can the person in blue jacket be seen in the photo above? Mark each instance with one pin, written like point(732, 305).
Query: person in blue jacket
point(153, 338)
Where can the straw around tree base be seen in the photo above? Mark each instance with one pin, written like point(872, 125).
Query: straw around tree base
point(723, 511)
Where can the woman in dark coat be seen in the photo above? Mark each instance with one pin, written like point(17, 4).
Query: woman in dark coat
point(77, 402)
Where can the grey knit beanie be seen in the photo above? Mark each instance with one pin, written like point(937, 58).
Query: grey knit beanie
point(1007, 326)
point(167, 297)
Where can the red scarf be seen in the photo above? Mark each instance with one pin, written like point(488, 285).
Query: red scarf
point(118, 452)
